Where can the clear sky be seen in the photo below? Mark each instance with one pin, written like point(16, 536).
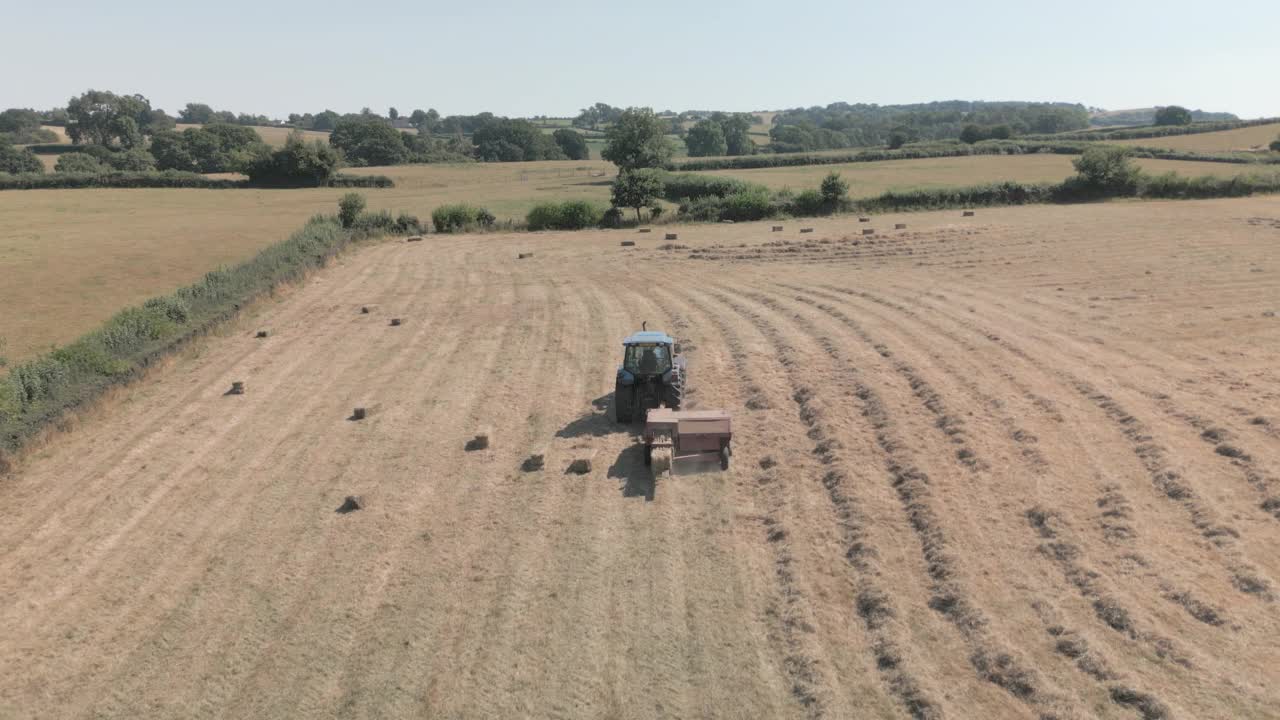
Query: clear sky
point(556, 56)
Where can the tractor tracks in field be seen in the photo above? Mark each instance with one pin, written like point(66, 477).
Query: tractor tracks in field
point(989, 657)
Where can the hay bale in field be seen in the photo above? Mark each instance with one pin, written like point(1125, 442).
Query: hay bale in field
point(776, 228)
point(364, 310)
point(628, 243)
point(726, 222)
point(479, 442)
point(968, 213)
point(806, 230)
point(899, 226)
point(533, 463)
point(864, 219)
point(522, 256)
point(350, 504)
point(869, 231)
point(261, 334)
point(237, 388)
point(645, 230)
point(672, 236)
point(581, 464)
point(414, 238)
point(358, 413)
point(395, 322)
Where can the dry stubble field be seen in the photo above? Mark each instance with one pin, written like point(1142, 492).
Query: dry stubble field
point(1257, 137)
point(1011, 466)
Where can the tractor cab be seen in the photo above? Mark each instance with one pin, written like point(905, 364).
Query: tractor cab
point(651, 375)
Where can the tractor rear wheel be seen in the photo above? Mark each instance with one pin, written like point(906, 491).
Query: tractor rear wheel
point(724, 458)
point(648, 455)
point(621, 406)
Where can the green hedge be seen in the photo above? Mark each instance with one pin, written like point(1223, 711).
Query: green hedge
point(461, 217)
point(36, 392)
point(568, 215)
point(160, 179)
point(1153, 131)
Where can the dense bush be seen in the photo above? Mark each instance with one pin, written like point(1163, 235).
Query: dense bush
point(572, 144)
point(30, 136)
point(1173, 115)
point(507, 140)
point(369, 142)
point(1106, 171)
point(298, 164)
point(678, 187)
point(79, 163)
point(1006, 193)
point(344, 180)
point(349, 208)
point(1172, 185)
point(105, 118)
point(209, 149)
point(1275, 145)
point(568, 215)
point(113, 179)
point(14, 161)
point(35, 393)
point(834, 190)
point(461, 217)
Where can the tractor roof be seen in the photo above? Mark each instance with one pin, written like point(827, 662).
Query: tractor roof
point(649, 336)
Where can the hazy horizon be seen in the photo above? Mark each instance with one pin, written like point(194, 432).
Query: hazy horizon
point(557, 57)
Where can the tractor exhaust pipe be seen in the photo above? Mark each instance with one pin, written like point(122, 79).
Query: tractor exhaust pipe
point(644, 325)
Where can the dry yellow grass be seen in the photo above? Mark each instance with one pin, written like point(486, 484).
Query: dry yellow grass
point(1006, 466)
point(1257, 137)
point(71, 258)
point(873, 178)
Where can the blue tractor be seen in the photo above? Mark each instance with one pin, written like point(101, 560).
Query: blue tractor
point(652, 375)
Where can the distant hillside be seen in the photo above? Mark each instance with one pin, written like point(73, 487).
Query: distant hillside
point(1147, 116)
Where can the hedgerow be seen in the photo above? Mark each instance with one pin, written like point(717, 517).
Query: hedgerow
point(461, 217)
point(161, 179)
point(568, 215)
point(36, 392)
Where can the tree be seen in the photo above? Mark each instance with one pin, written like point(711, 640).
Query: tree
point(1173, 115)
point(326, 120)
point(298, 163)
point(706, 139)
point(596, 115)
point(572, 144)
point(13, 160)
point(19, 120)
point(737, 134)
point(216, 147)
point(636, 140)
point(834, 189)
point(897, 139)
point(1107, 170)
point(393, 113)
point(1000, 132)
point(972, 134)
point(196, 114)
point(104, 118)
point(349, 208)
point(637, 189)
point(78, 162)
point(369, 141)
point(507, 140)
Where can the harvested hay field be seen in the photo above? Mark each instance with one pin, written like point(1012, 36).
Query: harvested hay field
point(868, 179)
point(1257, 137)
point(1018, 465)
point(71, 258)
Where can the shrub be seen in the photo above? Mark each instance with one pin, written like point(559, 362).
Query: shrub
point(678, 187)
point(1275, 145)
point(79, 163)
point(572, 144)
point(834, 190)
point(349, 208)
point(343, 180)
point(297, 164)
point(461, 217)
point(808, 202)
point(568, 215)
point(612, 218)
point(1173, 115)
point(1107, 171)
point(380, 221)
point(13, 160)
point(135, 160)
point(406, 224)
point(637, 189)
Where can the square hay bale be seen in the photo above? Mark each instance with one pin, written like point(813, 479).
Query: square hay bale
point(645, 230)
point(581, 464)
point(395, 322)
point(414, 238)
point(776, 228)
point(628, 243)
point(899, 226)
point(350, 504)
point(806, 230)
point(261, 334)
point(533, 463)
point(522, 256)
point(672, 236)
point(868, 231)
point(237, 388)
point(726, 222)
point(364, 309)
point(479, 442)
point(864, 219)
point(359, 413)
point(968, 213)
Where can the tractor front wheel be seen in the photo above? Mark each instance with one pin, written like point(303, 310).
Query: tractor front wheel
point(622, 405)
